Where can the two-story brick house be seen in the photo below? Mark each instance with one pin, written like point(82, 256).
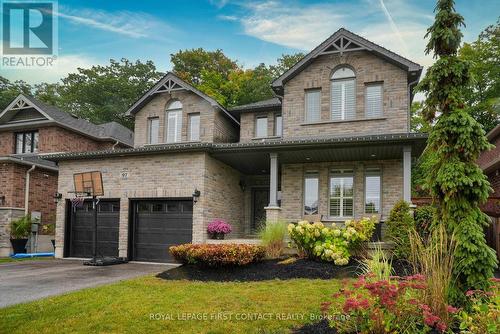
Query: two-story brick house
point(334, 144)
point(28, 183)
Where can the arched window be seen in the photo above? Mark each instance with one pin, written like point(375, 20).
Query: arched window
point(174, 122)
point(343, 94)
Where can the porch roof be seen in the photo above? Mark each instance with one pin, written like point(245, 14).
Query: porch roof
point(253, 157)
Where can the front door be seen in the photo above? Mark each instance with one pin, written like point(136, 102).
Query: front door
point(260, 199)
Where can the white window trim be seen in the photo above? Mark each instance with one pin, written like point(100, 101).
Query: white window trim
point(256, 126)
point(381, 84)
point(150, 123)
point(276, 125)
point(373, 171)
point(178, 125)
point(308, 91)
point(341, 210)
point(190, 117)
point(306, 173)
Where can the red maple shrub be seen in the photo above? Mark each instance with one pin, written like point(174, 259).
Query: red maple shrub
point(215, 255)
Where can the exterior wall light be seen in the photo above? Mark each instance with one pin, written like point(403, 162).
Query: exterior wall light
point(196, 195)
point(57, 197)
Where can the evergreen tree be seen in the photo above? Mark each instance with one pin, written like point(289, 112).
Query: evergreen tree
point(454, 179)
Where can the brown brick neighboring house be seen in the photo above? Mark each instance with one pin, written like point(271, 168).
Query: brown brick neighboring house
point(489, 161)
point(28, 128)
point(333, 144)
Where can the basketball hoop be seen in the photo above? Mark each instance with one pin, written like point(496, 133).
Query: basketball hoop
point(77, 202)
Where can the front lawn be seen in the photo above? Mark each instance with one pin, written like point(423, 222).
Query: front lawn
point(127, 307)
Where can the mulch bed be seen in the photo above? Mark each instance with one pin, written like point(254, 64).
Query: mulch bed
point(270, 269)
point(320, 327)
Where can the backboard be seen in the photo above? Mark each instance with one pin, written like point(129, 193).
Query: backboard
point(88, 183)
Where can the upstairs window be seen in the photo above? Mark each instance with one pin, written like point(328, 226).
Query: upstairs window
point(313, 103)
point(174, 122)
point(261, 127)
point(27, 142)
point(342, 193)
point(372, 191)
point(194, 127)
point(278, 126)
point(153, 130)
point(343, 94)
point(373, 100)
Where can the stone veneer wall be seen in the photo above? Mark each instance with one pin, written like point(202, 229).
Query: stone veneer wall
point(368, 68)
point(7, 215)
point(161, 176)
point(292, 186)
point(212, 127)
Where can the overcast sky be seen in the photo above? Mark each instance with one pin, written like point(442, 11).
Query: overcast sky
point(93, 31)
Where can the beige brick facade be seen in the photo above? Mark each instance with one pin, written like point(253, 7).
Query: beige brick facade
point(214, 126)
point(292, 186)
point(248, 120)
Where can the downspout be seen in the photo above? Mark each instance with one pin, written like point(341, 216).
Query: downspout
point(409, 104)
point(114, 145)
point(27, 189)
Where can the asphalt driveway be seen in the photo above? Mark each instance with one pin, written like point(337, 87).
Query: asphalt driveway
point(30, 280)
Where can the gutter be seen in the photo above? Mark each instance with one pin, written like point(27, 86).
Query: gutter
point(413, 83)
point(28, 163)
point(27, 189)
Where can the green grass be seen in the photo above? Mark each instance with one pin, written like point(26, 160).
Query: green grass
point(126, 307)
point(8, 259)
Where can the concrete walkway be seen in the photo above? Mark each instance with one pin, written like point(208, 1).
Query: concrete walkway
point(25, 281)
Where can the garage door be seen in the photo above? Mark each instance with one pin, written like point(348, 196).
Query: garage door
point(82, 229)
point(159, 224)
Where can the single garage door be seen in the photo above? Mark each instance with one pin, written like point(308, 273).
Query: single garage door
point(159, 224)
point(82, 229)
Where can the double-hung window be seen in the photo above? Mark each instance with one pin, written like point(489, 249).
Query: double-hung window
point(27, 142)
point(194, 127)
point(153, 130)
point(311, 191)
point(261, 127)
point(174, 122)
point(278, 125)
point(373, 100)
point(372, 190)
point(343, 94)
point(342, 193)
point(313, 105)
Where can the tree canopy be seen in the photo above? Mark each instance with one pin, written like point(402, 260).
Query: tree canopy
point(456, 139)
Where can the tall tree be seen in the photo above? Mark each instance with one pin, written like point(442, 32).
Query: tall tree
point(284, 63)
point(104, 93)
point(484, 88)
point(454, 179)
point(9, 90)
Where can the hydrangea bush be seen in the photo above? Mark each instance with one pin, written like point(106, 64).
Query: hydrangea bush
point(219, 226)
point(336, 245)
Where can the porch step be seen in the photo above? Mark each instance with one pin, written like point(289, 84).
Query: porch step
point(234, 241)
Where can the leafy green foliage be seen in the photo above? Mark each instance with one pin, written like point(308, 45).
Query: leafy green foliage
point(10, 90)
point(399, 224)
point(483, 316)
point(425, 218)
point(482, 94)
point(378, 264)
point(453, 178)
point(331, 244)
point(20, 228)
point(214, 255)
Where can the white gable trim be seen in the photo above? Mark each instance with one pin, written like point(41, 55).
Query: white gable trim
point(20, 103)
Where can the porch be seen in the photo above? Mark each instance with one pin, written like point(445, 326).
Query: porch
point(274, 178)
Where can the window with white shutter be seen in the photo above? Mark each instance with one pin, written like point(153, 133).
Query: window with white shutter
point(373, 100)
point(343, 94)
point(342, 193)
point(174, 122)
point(372, 191)
point(153, 130)
point(313, 105)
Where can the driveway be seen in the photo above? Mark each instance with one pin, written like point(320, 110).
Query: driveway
point(30, 280)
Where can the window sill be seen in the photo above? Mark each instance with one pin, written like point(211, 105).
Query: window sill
point(345, 121)
point(269, 137)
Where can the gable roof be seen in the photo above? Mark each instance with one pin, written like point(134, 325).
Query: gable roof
point(269, 104)
point(108, 131)
point(342, 41)
point(169, 83)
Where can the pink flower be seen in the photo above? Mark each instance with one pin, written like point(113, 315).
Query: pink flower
point(452, 309)
point(219, 226)
point(441, 326)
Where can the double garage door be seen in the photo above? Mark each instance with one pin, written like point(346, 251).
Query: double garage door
point(154, 226)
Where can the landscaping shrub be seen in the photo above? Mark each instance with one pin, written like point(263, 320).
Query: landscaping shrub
point(218, 255)
point(424, 218)
point(272, 236)
point(331, 244)
point(21, 227)
point(399, 224)
point(377, 264)
point(385, 306)
point(218, 228)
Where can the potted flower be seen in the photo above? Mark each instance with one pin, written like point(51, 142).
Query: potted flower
point(19, 231)
point(218, 228)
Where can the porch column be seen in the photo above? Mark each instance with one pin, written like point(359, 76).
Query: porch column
point(273, 210)
point(407, 173)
